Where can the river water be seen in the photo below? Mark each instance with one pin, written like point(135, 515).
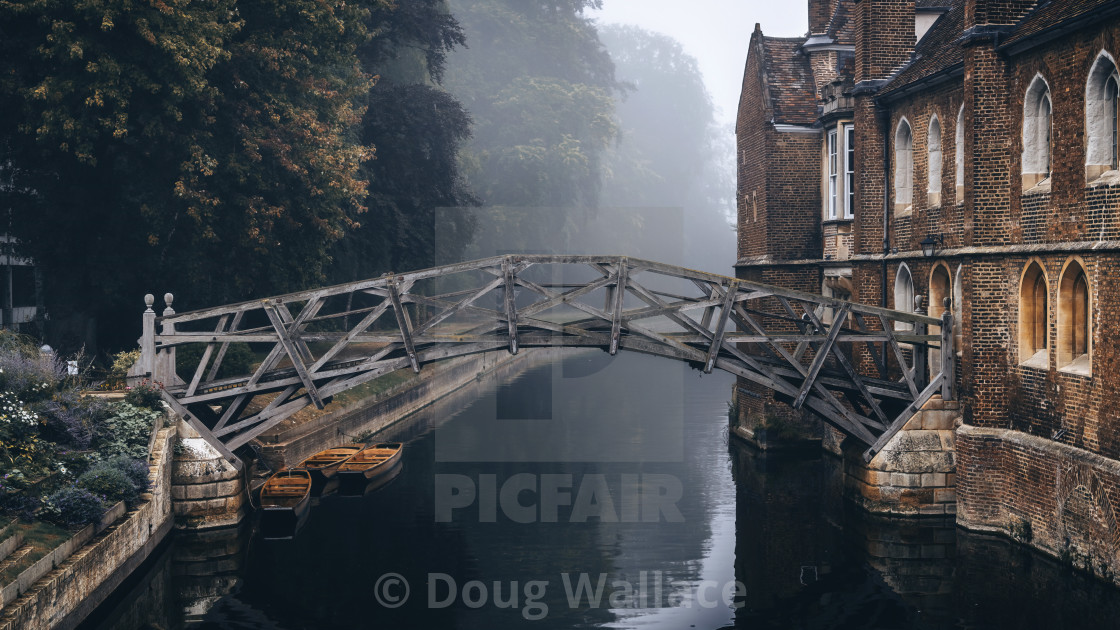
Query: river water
point(598, 492)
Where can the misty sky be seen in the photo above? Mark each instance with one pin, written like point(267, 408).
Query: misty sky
point(716, 32)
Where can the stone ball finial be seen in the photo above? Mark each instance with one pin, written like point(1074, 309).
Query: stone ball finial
point(947, 303)
point(168, 299)
point(149, 300)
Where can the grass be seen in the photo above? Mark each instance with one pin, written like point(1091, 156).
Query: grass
point(43, 538)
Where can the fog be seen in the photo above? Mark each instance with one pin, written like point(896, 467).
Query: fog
point(591, 135)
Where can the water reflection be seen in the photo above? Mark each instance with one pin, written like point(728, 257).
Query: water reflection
point(777, 524)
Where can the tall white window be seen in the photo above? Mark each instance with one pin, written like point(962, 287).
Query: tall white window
point(960, 155)
point(903, 167)
point(849, 171)
point(933, 146)
point(903, 295)
point(833, 174)
point(1037, 110)
point(1100, 117)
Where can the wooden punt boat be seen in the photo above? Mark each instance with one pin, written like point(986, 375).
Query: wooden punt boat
point(373, 463)
point(285, 501)
point(323, 465)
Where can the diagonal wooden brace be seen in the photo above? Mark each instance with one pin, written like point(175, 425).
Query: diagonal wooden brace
point(406, 326)
point(717, 338)
point(293, 354)
point(818, 361)
point(619, 300)
point(511, 304)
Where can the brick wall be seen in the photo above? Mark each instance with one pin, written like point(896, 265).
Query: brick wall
point(752, 156)
point(884, 37)
point(981, 12)
point(1057, 498)
point(793, 223)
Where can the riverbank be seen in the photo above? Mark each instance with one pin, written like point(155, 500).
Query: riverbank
point(77, 585)
point(288, 444)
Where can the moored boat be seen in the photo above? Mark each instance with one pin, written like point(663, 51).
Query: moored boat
point(373, 463)
point(324, 464)
point(285, 502)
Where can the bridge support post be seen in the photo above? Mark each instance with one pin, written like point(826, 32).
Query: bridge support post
point(207, 490)
point(145, 366)
point(915, 473)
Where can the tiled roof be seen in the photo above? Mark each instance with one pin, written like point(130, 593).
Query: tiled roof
point(1049, 14)
point(937, 51)
point(842, 28)
point(789, 80)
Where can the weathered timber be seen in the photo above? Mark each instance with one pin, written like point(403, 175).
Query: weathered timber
point(503, 302)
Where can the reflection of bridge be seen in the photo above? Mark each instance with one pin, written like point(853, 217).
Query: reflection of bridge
point(866, 376)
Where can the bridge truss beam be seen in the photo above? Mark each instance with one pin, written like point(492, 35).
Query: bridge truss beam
point(861, 368)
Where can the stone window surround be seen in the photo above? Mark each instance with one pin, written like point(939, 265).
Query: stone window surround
point(1037, 137)
point(903, 168)
point(940, 287)
point(903, 294)
point(1034, 346)
point(1074, 318)
point(933, 151)
point(959, 142)
point(1101, 117)
point(838, 137)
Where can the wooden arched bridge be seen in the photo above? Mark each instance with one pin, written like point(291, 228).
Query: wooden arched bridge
point(863, 369)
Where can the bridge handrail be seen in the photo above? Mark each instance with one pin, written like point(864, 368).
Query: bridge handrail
point(432, 272)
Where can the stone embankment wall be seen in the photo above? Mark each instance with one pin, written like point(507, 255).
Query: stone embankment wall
point(1055, 497)
point(64, 597)
point(915, 473)
point(208, 490)
point(288, 447)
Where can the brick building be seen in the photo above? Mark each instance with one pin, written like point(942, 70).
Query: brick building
point(987, 130)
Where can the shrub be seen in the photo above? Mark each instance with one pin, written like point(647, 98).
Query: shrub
point(122, 362)
point(109, 482)
point(146, 395)
point(72, 419)
point(28, 376)
point(126, 432)
point(135, 469)
point(19, 432)
point(17, 503)
point(73, 506)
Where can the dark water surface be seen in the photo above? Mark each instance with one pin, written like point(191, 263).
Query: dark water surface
point(599, 492)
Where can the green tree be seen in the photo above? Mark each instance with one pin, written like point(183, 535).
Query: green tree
point(418, 129)
point(206, 148)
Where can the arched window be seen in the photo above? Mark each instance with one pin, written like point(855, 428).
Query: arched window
point(903, 295)
point(958, 310)
point(903, 167)
point(1033, 316)
point(1073, 319)
point(933, 145)
point(959, 141)
point(940, 287)
point(1100, 117)
point(1036, 133)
